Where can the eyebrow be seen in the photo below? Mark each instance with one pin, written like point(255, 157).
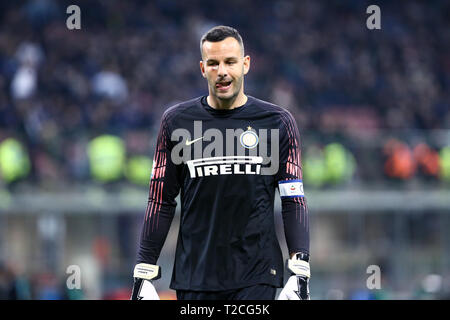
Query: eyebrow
point(226, 59)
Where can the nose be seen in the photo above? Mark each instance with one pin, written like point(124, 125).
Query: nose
point(222, 71)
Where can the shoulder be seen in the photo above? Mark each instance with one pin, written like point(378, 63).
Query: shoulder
point(179, 108)
point(274, 110)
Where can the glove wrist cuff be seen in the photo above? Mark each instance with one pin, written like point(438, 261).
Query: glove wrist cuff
point(147, 271)
point(299, 267)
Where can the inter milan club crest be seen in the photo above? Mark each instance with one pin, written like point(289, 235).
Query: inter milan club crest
point(249, 139)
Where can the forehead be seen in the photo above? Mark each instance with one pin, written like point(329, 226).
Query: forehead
point(228, 47)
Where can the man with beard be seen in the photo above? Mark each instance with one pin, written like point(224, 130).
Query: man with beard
point(212, 150)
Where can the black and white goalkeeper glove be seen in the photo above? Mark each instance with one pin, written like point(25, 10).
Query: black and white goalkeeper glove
point(297, 286)
point(143, 288)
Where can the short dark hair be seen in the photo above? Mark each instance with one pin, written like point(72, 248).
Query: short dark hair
point(220, 33)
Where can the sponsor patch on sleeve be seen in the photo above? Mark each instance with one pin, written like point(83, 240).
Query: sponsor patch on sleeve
point(291, 188)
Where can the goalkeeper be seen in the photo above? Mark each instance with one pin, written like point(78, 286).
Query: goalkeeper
point(226, 153)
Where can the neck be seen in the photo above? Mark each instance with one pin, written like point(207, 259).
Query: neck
point(235, 102)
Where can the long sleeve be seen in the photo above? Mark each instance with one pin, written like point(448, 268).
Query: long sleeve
point(163, 189)
point(290, 185)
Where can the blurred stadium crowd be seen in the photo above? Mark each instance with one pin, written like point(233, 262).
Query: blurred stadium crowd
point(78, 106)
point(60, 88)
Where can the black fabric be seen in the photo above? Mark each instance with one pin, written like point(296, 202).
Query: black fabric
point(257, 292)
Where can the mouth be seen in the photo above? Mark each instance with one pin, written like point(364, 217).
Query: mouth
point(223, 85)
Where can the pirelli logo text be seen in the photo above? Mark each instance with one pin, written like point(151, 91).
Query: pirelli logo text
point(224, 165)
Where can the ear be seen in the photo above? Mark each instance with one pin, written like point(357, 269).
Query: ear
point(202, 69)
point(246, 64)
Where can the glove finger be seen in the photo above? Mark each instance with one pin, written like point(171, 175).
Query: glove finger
point(282, 295)
point(148, 291)
point(293, 296)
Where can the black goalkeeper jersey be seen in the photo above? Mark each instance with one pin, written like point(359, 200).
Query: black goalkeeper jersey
point(226, 165)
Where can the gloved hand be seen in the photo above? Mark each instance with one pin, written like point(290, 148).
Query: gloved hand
point(297, 286)
point(143, 288)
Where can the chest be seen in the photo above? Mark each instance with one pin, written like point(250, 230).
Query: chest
point(226, 146)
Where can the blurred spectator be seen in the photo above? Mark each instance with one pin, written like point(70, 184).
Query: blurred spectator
point(427, 159)
point(13, 286)
point(111, 85)
point(24, 82)
point(400, 162)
